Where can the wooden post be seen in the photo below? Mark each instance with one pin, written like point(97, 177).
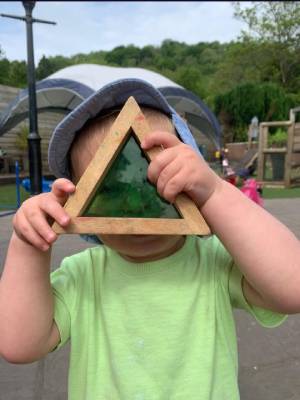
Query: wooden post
point(263, 149)
point(262, 144)
point(288, 157)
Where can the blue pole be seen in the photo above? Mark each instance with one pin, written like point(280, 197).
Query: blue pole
point(17, 169)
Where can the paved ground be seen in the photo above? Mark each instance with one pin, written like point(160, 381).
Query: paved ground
point(269, 358)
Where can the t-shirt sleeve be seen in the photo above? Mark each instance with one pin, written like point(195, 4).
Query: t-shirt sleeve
point(234, 278)
point(264, 317)
point(63, 288)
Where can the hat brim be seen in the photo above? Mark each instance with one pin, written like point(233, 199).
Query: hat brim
point(112, 95)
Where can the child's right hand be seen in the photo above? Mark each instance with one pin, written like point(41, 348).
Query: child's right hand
point(33, 219)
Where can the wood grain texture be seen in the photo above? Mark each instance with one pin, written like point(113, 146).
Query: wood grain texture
point(291, 152)
point(130, 118)
point(129, 226)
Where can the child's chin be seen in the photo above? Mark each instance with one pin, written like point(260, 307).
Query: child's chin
point(143, 238)
point(144, 243)
point(139, 247)
point(150, 247)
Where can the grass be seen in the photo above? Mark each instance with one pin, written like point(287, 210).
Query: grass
point(8, 195)
point(277, 193)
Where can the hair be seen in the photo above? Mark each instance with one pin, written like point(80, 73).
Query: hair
point(91, 135)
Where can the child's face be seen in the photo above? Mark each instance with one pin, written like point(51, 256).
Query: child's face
point(142, 248)
point(136, 248)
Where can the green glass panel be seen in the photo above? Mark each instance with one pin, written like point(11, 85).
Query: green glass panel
point(126, 192)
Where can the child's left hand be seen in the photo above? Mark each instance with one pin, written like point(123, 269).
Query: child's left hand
point(178, 168)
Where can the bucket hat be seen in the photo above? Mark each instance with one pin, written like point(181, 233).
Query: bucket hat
point(110, 96)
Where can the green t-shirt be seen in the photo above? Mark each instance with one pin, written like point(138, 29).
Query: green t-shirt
point(162, 330)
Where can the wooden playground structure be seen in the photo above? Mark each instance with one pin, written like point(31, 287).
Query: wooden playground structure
point(288, 155)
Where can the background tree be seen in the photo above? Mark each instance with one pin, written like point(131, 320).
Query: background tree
point(17, 74)
point(276, 23)
point(238, 106)
point(4, 68)
point(228, 77)
point(4, 71)
point(45, 68)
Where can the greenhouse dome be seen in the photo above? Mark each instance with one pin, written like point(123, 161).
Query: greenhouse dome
point(67, 88)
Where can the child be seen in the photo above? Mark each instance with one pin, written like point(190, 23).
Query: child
point(148, 317)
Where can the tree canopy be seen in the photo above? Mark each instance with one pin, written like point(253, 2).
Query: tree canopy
point(258, 74)
point(277, 25)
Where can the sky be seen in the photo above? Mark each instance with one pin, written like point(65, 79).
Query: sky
point(88, 26)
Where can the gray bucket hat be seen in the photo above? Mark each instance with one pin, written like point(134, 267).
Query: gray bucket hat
point(113, 95)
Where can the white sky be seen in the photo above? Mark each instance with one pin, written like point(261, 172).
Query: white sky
point(83, 27)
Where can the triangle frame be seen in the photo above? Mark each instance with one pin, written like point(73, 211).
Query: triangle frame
point(130, 119)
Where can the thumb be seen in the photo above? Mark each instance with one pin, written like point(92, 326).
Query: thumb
point(62, 188)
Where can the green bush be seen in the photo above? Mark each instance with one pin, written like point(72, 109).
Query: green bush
point(278, 139)
point(240, 134)
point(267, 101)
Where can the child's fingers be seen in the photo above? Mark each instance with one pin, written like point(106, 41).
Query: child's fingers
point(174, 186)
point(160, 138)
point(27, 233)
point(160, 162)
point(31, 222)
point(167, 174)
point(61, 189)
point(41, 226)
point(55, 210)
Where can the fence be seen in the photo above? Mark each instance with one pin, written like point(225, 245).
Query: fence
point(11, 208)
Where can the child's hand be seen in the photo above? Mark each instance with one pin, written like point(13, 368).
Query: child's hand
point(32, 221)
point(178, 168)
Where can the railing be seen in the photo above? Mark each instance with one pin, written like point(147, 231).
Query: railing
point(11, 208)
point(285, 151)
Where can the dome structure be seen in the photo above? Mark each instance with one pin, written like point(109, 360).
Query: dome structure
point(67, 88)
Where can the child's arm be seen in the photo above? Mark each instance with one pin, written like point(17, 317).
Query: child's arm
point(27, 329)
point(267, 253)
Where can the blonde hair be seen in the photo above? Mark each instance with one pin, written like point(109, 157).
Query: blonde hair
point(92, 134)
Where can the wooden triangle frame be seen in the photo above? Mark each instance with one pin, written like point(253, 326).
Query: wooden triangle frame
point(130, 119)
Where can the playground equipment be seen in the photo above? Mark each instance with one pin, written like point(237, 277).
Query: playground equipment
point(243, 158)
point(248, 164)
point(251, 188)
point(46, 185)
point(11, 208)
point(284, 162)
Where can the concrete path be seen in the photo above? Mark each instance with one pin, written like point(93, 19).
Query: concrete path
point(269, 358)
